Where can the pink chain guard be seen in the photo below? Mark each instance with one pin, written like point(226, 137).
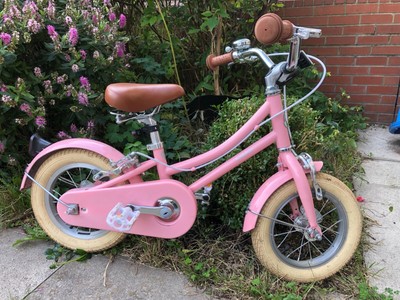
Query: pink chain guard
point(94, 206)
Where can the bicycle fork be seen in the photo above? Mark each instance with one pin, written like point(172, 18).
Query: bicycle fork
point(290, 161)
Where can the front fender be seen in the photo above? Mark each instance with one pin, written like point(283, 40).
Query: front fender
point(78, 143)
point(264, 192)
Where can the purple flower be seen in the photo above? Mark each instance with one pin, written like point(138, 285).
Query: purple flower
point(85, 83)
point(83, 54)
point(73, 128)
point(2, 147)
point(83, 99)
point(3, 88)
point(25, 107)
point(5, 38)
point(33, 26)
point(62, 135)
point(120, 49)
point(51, 10)
point(122, 21)
point(52, 32)
point(60, 79)
point(90, 125)
point(6, 99)
point(40, 122)
point(111, 16)
point(73, 36)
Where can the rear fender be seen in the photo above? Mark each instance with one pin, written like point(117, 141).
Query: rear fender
point(264, 192)
point(78, 143)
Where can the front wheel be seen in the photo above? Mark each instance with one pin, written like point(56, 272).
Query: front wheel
point(65, 170)
point(282, 244)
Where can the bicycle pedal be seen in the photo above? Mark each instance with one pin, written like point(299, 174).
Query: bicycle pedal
point(122, 217)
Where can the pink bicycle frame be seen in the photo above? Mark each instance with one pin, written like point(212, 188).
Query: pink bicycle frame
point(279, 136)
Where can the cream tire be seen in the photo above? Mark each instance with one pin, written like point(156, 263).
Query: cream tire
point(288, 252)
point(60, 172)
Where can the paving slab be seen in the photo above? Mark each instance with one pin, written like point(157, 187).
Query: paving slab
point(25, 274)
point(22, 268)
point(380, 188)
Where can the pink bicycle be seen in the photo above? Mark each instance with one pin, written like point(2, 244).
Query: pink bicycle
point(305, 225)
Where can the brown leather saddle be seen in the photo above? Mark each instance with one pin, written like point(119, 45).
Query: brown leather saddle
point(136, 97)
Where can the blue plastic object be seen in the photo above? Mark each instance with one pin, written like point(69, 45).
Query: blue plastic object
point(395, 126)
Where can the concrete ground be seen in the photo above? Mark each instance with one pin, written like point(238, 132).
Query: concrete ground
point(381, 189)
point(25, 272)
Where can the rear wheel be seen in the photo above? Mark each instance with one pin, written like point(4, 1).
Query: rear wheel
point(281, 241)
point(65, 170)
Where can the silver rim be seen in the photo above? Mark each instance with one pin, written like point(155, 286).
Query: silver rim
point(68, 177)
point(291, 243)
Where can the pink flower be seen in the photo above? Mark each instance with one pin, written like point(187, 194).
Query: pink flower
point(120, 49)
point(62, 135)
point(73, 128)
point(25, 107)
point(85, 83)
point(111, 16)
point(40, 122)
point(2, 147)
point(122, 21)
point(68, 20)
point(5, 38)
point(90, 125)
point(51, 10)
point(52, 32)
point(33, 26)
point(37, 71)
point(3, 88)
point(83, 99)
point(83, 54)
point(73, 36)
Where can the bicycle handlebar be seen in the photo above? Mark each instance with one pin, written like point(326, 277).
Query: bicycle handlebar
point(213, 61)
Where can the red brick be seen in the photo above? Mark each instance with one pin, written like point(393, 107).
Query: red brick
point(389, 99)
point(395, 40)
point(377, 19)
point(357, 99)
point(381, 90)
point(378, 108)
point(371, 60)
point(361, 8)
point(373, 40)
point(314, 21)
point(338, 40)
point(329, 10)
point(390, 80)
point(308, 2)
point(394, 60)
point(339, 60)
point(354, 89)
point(368, 80)
point(389, 8)
point(386, 50)
point(384, 70)
point(343, 20)
point(384, 119)
point(323, 51)
point(336, 30)
point(361, 50)
point(299, 12)
point(354, 30)
point(352, 70)
point(338, 79)
point(385, 29)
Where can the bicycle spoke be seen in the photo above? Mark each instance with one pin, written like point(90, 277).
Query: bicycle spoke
point(291, 230)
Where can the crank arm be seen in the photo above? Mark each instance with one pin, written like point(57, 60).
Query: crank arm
point(167, 209)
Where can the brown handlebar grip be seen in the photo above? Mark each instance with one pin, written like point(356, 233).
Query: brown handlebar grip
point(287, 31)
point(213, 61)
point(270, 29)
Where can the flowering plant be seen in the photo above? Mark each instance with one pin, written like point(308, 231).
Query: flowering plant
point(56, 58)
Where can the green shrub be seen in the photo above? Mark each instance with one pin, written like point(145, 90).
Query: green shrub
point(322, 127)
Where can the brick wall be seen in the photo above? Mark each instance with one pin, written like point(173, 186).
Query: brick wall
point(360, 45)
